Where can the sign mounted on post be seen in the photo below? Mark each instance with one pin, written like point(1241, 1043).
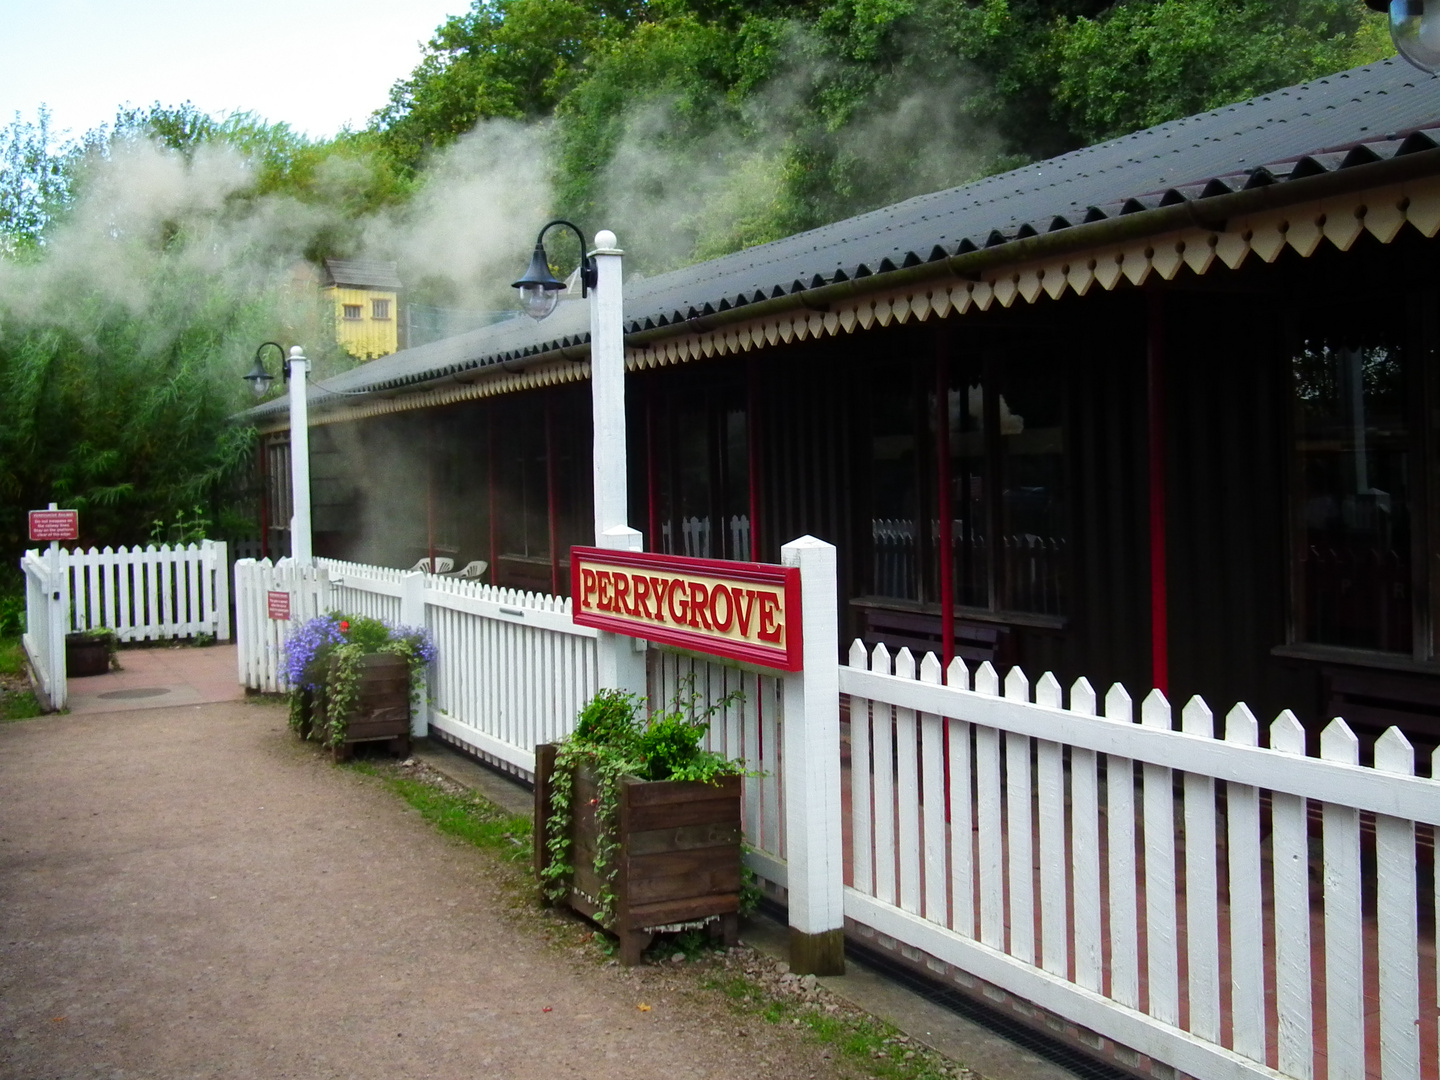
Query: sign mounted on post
point(278, 604)
point(741, 611)
point(54, 524)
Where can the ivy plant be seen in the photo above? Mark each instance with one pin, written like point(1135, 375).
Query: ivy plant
point(323, 657)
point(613, 739)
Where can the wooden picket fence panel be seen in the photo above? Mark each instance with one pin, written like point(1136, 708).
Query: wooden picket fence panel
point(512, 669)
point(150, 593)
point(260, 640)
point(47, 601)
point(1111, 871)
point(748, 727)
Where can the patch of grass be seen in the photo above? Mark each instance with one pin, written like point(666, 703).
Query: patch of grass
point(871, 1044)
point(12, 657)
point(17, 701)
point(18, 705)
point(469, 817)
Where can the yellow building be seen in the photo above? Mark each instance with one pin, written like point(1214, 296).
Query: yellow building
point(365, 295)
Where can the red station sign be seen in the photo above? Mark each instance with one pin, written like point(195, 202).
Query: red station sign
point(278, 604)
point(741, 611)
point(54, 524)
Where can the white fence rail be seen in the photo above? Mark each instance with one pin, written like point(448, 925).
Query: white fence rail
point(1110, 871)
point(746, 708)
point(149, 593)
point(47, 601)
point(512, 670)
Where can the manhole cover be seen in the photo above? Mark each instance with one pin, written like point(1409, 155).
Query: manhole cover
point(138, 692)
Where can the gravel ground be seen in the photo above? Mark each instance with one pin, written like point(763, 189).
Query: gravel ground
point(190, 892)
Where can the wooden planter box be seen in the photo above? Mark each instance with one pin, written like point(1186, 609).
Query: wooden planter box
point(85, 655)
point(679, 854)
point(382, 706)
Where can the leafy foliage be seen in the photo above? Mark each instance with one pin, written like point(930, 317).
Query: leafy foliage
point(696, 127)
point(322, 657)
point(612, 741)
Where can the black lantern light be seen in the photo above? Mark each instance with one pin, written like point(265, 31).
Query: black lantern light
point(260, 379)
point(540, 289)
point(1415, 30)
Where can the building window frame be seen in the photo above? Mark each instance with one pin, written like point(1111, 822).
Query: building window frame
point(380, 310)
point(1418, 342)
point(352, 312)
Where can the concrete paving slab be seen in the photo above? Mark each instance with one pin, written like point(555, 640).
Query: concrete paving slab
point(160, 676)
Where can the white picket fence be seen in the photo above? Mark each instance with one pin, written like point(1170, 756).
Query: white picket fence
point(747, 728)
point(1182, 900)
point(512, 670)
point(1152, 887)
point(149, 593)
point(47, 602)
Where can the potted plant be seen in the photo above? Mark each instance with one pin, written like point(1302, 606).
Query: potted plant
point(636, 826)
point(353, 679)
point(91, 652)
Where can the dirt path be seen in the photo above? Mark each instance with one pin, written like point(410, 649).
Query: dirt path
point(189, 892)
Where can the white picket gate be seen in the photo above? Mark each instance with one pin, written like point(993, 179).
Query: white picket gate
point(47, 602)
point(512, 670)
point(150, 593)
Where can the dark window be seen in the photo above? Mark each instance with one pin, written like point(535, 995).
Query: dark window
point(380, 309)
point(1005, 470)
point(352, 311)
point(698, 442)
point(1354, 460)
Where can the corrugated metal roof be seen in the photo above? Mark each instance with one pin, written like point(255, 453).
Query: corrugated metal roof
point(361, 273)
point(1347, 121)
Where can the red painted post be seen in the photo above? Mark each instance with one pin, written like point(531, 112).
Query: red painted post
point(430, 494)
point(490, 493)
point(652, 505)
point(752, 456)
point(1159, 601)
point(551, 498)
point(264, 500)
point(942, 502)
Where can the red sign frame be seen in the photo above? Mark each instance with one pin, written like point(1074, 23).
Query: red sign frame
point(54, 525)
point(776, 606)
point(277, 605)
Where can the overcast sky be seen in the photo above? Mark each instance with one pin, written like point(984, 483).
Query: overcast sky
point(315, 64)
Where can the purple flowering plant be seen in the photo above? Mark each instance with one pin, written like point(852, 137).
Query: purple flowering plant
point(321, 656)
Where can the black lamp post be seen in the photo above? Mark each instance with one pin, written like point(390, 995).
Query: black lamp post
point(539, 288)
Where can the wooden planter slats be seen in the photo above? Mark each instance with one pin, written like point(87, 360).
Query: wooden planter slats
point(85, 655)
point(678, 856)
point(382, 706)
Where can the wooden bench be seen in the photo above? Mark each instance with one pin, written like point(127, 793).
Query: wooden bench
point(921, 632)
point(1371, 701)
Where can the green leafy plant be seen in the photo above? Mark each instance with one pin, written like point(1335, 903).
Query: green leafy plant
point(109, 637)
point(184, 528)
point(323, 656)
point(612, 741)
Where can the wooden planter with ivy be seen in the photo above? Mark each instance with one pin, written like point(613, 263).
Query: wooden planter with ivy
point(675, 859)
point(381, 710)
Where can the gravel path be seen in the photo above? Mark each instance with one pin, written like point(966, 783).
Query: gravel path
point(189, 892)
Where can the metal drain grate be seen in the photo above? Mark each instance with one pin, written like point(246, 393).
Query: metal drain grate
point(137, 692)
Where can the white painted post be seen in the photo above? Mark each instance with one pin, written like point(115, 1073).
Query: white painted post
point(621, 659)
point(220, 556)
point(299, 458)
point(412, 613)
point(810, 753)
point(607, 386)
point(58, 597)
